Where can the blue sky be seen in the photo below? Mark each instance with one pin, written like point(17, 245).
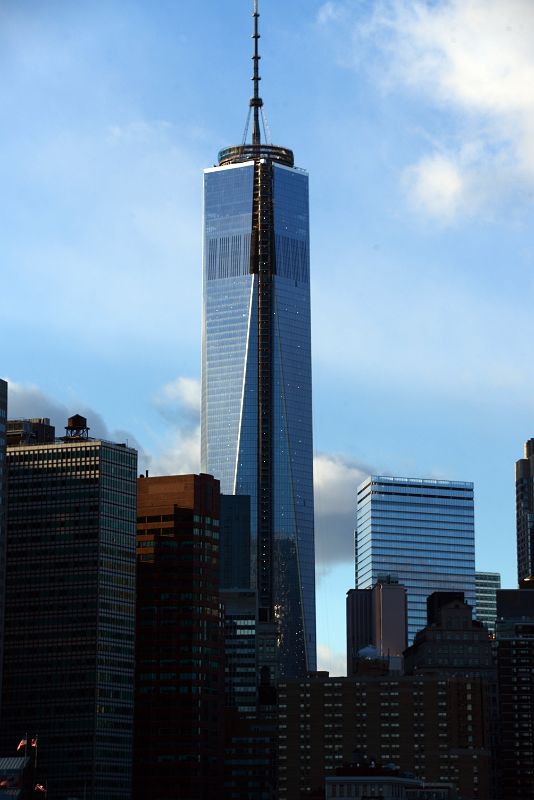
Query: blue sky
point(416, 123)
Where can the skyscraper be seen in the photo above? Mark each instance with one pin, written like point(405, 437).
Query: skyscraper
point(256, 420)
point(420, 530)
point(70, 611)
point(524, 494)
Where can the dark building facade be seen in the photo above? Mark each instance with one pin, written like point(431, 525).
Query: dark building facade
point(514, 630)
point(235, 562)
point(179, 685)
point(256, 415)
point(524, 493)
point(70, 612)
point(433, 726)
point(377, 617)
point(3, 502)
point(452, 642)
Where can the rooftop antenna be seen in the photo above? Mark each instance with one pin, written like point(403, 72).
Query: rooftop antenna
point(256, 102)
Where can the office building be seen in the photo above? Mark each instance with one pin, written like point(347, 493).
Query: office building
point(430, 725)
point(514, 630)
point(377, 617)
point(256, 418)
point(524, 494)
point(420, 530)
point(486, 586)
point(179, 687)
point(70, 611)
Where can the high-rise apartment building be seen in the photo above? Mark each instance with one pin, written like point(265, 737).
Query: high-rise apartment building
point(514, 630)
point(524, 494)
point(487, 584)
point(420, 530)
point(256, 419)
point(179, 649)
point(70, 611)
point(430, 725)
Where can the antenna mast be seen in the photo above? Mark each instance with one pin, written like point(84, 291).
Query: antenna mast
point(256, 102)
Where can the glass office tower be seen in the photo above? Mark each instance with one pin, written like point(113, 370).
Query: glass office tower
point(420, 530)
point(487, 584)
point(256, 373)
point(70, 611)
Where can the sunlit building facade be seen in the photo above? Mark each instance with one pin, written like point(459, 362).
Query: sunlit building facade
point(256, 379)
point(420, 530)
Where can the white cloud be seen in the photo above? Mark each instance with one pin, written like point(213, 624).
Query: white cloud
point(185, 391)
point(178, 401)
point(335, 482)
point(474, 60)
point(436, 184)
point(181, 456)
point(331, 660)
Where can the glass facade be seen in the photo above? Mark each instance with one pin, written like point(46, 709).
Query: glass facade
point(423, 532)
point(230, 430)
point(70, 614)
point(487, 584)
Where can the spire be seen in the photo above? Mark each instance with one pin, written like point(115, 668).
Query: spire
point(256, 102)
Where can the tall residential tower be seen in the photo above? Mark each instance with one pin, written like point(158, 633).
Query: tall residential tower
point(256, 372)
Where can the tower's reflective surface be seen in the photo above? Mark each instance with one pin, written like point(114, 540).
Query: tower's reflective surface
point(256, 378)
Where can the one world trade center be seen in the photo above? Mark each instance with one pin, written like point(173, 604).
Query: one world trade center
point(256, 422)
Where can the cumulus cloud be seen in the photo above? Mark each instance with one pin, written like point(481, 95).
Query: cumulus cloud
point(180, 455)
point(335, 481)
point(472, 59)
point(179, 398)
point(178, 401)
point(27, 401)
point(331, 660)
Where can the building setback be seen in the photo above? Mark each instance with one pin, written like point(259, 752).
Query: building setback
point(435, 727)
point(70, 612)
point(420, 530)
point(256, 418)
point(179, 650)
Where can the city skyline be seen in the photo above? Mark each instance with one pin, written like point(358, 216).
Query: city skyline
point(419, 363)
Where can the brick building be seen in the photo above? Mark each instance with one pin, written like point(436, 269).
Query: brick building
point(179, 665)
